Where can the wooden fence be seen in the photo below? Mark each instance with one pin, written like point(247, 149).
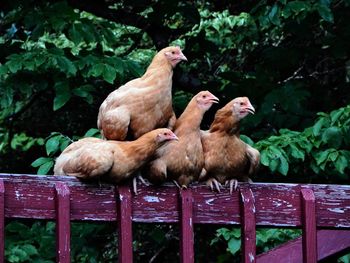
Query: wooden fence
point(322, 211)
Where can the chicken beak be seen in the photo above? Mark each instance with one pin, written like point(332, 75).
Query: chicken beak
point(182, 57)
point(173, 137)
point(250, 109)
point(213, 99)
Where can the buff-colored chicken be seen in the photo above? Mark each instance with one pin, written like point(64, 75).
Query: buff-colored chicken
point(113, 161)
point(142, 104)
point(227, 158)
point(183, 161)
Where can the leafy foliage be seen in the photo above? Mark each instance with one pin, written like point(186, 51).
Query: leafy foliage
point(321, 148)
point(60, 59)
point(266, 239)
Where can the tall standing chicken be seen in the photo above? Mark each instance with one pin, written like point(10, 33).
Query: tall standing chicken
point(227, 157)
point(115, 161)
point(142, 104)
point(183, 161)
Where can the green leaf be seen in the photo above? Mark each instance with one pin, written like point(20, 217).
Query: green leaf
point(284, 166)
point(52, 145)
point(296, 152)
point(66, 66)
point(317, 127)
point(321, 157)
point(40, 161)
point(30, 249)
point(97, 70)
point(264, 158)
point(234, 245)
point(325, 12)
point(274, 163)
point(336, 114)
point(247, 140)
point(61, 100)
point(333, 156)
point(109, 74)
point(274, 15)
point(14, 65)
point(333, 137)
point(83, 93)
point(45, 168)
point(92, 132)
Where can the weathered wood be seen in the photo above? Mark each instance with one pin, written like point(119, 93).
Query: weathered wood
point(62, 223)
point(30, 196)
point(186, 227)
point(309, 226)
point(248, 233)
point(124, 204)
point(2, 221)
point(329, 242)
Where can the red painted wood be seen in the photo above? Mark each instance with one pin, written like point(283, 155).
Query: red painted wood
point(124, 224)
point(62, 222)
point(248, 233)
point(31, 196)
point(186, 227)
point(2, 221)
point(329, 242)
point(309, 237)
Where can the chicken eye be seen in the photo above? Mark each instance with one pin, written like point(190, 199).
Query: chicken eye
point(241, 103)
point(165, 134)
point(173, 52)
point(204, 96)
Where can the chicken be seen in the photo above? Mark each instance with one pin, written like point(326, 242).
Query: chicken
point(227, 157)
point(114, 161)
point(142, 104)
point(183, 161)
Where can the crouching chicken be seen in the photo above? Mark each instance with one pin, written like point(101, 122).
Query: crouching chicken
point(183, 161)
point(227, 158)
point(113, 161)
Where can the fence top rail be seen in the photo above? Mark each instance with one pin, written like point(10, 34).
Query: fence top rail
point(279, 205)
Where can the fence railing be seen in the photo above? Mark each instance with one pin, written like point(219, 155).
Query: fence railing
point(310, 207)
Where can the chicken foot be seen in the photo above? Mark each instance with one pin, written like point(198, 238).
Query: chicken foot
point(212, 182)
point(178, 186)
point(141, 179)
point(233, 183)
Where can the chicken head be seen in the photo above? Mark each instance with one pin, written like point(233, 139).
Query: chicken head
point(205, 99)
point(174, 55)
point(165, 135)
point(241, 107)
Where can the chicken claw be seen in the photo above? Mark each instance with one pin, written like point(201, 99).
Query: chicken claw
point(143, 180)
point(213, 182)
point(233, 185)
point(175, 182)
point(134, 183)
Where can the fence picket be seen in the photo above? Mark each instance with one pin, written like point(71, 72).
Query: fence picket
point(186, 225)
point(62, 222)
point(248, 233)
point(309, 238)
point(125, 251)
point(2, 221)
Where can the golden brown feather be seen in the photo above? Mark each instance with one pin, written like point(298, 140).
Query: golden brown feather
point(227, 157)
point(142, 104)
point(182, 161)
point(115, 161)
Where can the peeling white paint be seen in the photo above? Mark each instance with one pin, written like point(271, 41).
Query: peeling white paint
point(336, 210)
point(251, 257)
point(151, 199)
point(121, 197)
point(276, 203)
point(18, 195)
point(191, 221)
point(208, 202)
